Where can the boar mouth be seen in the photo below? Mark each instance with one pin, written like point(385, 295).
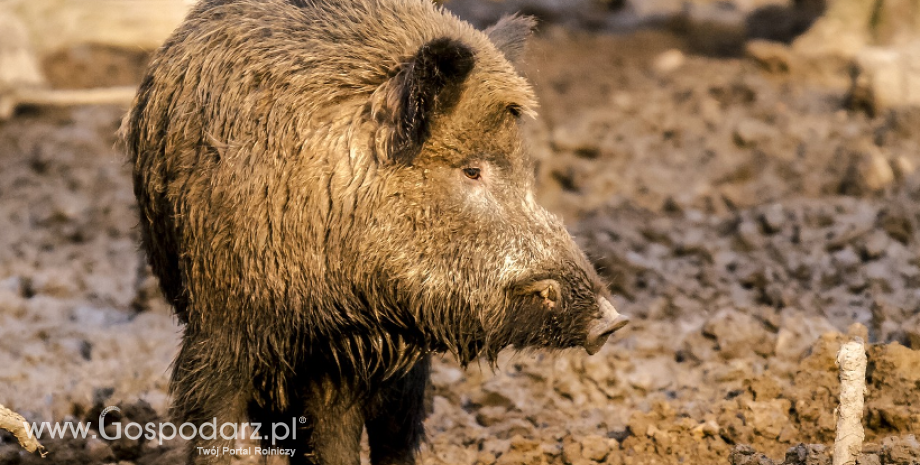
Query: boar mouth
point(599, 330)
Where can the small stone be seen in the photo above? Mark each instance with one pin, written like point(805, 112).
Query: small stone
point(912, 330)
point(13, 284)
point(886, 78)
point(868, 459)
point(496, 446)
point(743, 454)
point(739, 334)
point(521, 450)
point(749, 235)
point(798, 332)
point(875, 245)
point(767, 417)
point(491, 415)
point(663, 438)
point(772, 56)
point(445, 376)
point(98, 450)
point(903, 166)
point(571, 451)
point(749, 132)
point(905, 449)
point(490, 396)
point(669, 61)
point(869, 171)
point(485, 458)
point(595, 447)
point(807, 454)
point(846, 258)
point(708, 428)
point(773, 218)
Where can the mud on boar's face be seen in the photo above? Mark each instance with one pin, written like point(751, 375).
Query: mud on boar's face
point(457, 247)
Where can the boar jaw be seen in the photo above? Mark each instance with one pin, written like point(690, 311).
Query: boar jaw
point(600, 329)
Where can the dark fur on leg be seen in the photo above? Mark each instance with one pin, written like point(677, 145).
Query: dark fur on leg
point(395, 426)
point(335, 420)
point(204, 393)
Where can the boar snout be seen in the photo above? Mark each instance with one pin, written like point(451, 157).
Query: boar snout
point(599, 330)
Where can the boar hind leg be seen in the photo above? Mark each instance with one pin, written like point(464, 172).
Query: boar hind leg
point(394, 426)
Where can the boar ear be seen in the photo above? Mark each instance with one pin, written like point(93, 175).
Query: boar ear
point(510, 35)
point(429, 83)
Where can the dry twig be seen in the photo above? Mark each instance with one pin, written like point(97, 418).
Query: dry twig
point(16, 424)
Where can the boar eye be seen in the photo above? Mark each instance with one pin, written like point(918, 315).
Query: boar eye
point(515, 110)
point(472, 173)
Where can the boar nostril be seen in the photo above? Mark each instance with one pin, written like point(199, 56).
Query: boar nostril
point(609, 322)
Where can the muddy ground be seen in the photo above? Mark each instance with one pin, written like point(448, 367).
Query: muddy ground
point(746, 220)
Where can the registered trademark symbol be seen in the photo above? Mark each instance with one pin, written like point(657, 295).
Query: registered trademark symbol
point(302, 420)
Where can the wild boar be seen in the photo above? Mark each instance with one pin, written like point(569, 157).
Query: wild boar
point(331, 191)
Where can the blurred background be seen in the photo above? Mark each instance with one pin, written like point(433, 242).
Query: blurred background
point(743, 173)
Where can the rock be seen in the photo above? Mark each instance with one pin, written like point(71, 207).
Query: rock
point(903, 166)
point(98, 450)
point(743, 454)
point(668, 61)
point(772, 56)
point(875, 244)
point(773, 218)
point(896, 22)
point(886, 78)
point(807, 454)
point(572, 451)
point(522, 451)
point(767, 417)
point(54, 282)
point(868, 171)
point(763, 387)
point(868, 459)
point(904, 450)
point(453, 453)
point(485, 458)
point(445, 376)
point(894, 385)
point(716, 28)
point(739, 334)
point(845, 259)
point(595, 447)
point(841, 32)
point(513, 426)
point(912, 331)
point(749, 235)
point(582, 135)
point(491, 395)
point(491, 415)
point(705, 429)
point(749, 132)
point(661, 437)
point(495, 446)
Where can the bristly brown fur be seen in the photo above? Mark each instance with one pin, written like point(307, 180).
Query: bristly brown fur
point(303, 171)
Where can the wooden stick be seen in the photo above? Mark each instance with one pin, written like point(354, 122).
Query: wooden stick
point(60, 97)
point(851, 360)
point(16, 424)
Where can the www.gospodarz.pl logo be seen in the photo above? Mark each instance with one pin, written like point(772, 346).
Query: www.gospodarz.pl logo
point(165, 431)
